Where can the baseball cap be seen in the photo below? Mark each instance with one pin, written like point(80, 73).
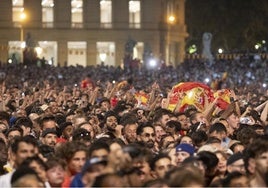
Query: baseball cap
point(235, 157)
point(186, 148)
point(48, 131)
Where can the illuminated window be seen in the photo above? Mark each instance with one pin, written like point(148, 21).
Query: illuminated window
point(17, 10)
point(106, 53)
point(77, 13)
point(47, 13)
point(106, 13)
point(134, 13)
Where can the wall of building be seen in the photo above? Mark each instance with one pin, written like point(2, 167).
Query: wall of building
point(153, 29)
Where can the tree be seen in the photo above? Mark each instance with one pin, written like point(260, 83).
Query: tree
point(234, 25)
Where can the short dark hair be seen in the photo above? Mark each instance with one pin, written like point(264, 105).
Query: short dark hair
point(217, 127)
point(27, 139)
point(156, 158)
point(98, 145)
point(24, 121)
point(141, 127)
point(226, 182)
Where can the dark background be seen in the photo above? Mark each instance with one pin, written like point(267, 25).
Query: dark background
point(236, 25)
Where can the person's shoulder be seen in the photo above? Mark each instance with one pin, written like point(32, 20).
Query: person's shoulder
point(5, 180)
point(5, 176)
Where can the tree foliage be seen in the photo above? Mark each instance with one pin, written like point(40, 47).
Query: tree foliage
point(234, 24)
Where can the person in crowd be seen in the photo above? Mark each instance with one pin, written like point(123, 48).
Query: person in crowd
point(49, 137)
point(21, 148)
point(256, 161)
point(55, 171)
point(116, 120)
point(184, 151)
point(75, 155)
point(236, 163)
point(160, 165)
point(26, 177)
point(39, 166)
point(146, 136)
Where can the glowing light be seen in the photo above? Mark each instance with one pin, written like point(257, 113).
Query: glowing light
point(192, 49)
point(264, 85)
point(171, 19)
point(257, 46)
point(207, 80)
point(103, 57)
point(152, 63)
point(9, 61)
point(22, 16)
point(38, 50)
point(23, 45)
point(220, 51)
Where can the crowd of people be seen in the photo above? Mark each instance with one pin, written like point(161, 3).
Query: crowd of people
point(86, 127)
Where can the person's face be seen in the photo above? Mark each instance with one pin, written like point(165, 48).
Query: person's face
point(111, 123)
point(238, 166)
point(100, 153)
point(162, 166)
point(159, 132)
point(24, 151)
point(148, 137)
point(164, 120)
point(168, 141)
point(3, 153)
point(67, 132)
point(186, 140)
point(3, 127)
point(233, 121)
point(53, 107)
point(11, 135)
point(105, 106)
point(39, 169)
point(55, 175)
point(77, 162)
point(181, 156)
point(50, 140)
point(262, 163)
point(145, 171)
point(222, 163)
point(130, 132)
point(242, 181)
point(185, 125)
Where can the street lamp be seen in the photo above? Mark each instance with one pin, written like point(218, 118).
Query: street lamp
point(22, 19)
point(22, 43)
point(170, 21)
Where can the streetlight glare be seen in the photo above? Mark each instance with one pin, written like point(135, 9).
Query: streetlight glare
point(171, 19)
point(22, 16)
point(220, 50)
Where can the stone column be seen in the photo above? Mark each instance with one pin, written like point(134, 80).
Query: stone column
point(62, 53)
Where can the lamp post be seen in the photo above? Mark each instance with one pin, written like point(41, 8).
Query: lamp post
point(22, 18)
point(170, 21)
point(22, 43)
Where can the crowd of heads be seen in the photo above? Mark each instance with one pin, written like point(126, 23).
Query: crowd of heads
point(84, 127)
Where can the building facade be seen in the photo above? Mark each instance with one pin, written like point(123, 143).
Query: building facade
point(90, 32)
